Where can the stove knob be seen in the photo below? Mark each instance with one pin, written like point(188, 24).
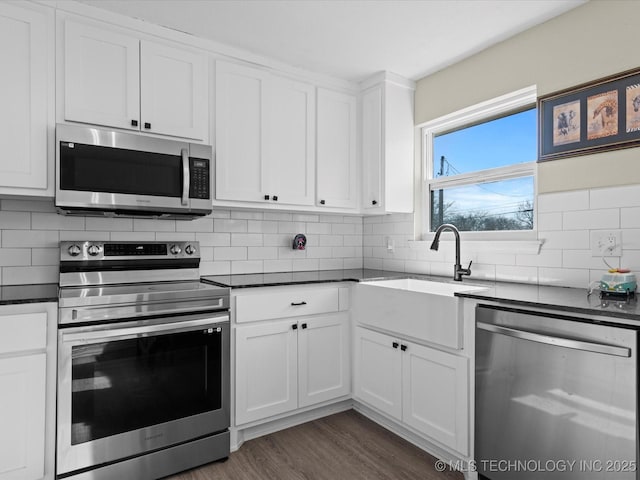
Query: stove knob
point(93, 250)
point(74, 250)
point(175, 249)
point(190, 250)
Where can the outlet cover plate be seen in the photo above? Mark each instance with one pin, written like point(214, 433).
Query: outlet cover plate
point(600, 239)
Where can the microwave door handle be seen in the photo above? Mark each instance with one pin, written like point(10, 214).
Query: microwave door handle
point(185, 176)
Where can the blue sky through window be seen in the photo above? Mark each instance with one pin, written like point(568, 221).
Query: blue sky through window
point(500, 142)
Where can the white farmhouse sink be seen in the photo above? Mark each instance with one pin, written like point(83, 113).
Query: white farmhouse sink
point(425, 286)
point(421, 309)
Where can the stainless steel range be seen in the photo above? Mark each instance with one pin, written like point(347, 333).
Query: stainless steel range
point(143, 361)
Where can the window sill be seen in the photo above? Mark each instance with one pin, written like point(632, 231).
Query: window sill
point(470, 245)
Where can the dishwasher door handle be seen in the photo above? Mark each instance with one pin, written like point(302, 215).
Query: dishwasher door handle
point(556, 341)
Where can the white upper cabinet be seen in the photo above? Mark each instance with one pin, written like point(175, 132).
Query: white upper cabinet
point(336, 170)
point(387, 144)
point(102, 77)
point(265, 131)
point(26, 56)
point(173, 91)
point(117, 80)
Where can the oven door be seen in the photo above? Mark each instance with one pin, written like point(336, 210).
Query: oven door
point(128, 388)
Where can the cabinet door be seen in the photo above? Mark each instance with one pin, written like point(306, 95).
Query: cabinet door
point(173, 91)
point(23, 96)
point(22, 413)
point(336, 149)
point(240, 169)
point(372, 149)
point(323, 358)
point(378, 371)
point(435, 395)
point(102, 77)
point(266, 370)
point(289, 141)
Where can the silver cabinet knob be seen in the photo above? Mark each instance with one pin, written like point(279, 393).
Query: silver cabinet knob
point(175, 249)
point(93, 250)
point(74, 250)
point(190, 249)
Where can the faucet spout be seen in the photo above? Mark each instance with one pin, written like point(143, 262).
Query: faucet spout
point(458, 271)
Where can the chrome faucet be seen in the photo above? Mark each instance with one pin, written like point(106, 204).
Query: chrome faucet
point(458, 271)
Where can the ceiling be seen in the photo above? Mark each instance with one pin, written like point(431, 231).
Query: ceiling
point(350, 39)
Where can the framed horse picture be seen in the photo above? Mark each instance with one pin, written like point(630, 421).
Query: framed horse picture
point(592, 117)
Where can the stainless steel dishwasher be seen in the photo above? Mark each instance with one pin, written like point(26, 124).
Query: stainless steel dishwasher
point(555, 397)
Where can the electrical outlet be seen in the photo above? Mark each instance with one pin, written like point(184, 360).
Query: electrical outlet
point(606, 242)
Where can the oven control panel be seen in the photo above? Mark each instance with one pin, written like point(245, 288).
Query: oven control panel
point(95, 251)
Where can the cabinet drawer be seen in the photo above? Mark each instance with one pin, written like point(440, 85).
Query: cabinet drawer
point(283, 304)
point(20, 332)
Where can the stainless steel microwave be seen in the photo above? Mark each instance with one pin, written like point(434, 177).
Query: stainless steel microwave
point(104, 172)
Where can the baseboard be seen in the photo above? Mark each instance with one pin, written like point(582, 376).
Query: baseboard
point(239, 435)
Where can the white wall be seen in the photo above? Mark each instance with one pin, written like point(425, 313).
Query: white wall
point(230, 241)
point(566, 221)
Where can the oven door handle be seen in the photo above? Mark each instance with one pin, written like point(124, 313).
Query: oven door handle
point(106, 334)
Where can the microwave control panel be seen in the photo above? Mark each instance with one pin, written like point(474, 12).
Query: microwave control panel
point(199, 178)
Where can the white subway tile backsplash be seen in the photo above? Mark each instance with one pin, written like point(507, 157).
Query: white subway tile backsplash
point(591, 219)
point(297, 217)
point(11, 257)
point(215, 268)
point(291, 227)
point(547, 258)
point(262, 253)
point(246, 239)
point(564, 277)
point(239, 267)
point(549, 221)
point(565, 239)
point(278, 216)
point(631, 259)
point(229, 253)
point(53, 221)
point(175, 236)
point(331, 240)
point(305, 264)
point(282, 265)
point(630, 217)
point(319, 252)
point(631, 239)
point(30, 239)
point(262, 226)
point(132, 236)
point(229, 225)
point(518, 274)
point(393, 264)
point(332, 219)
point(220, 213)
point(15, 220)
point(355, 262)
point(149, 225)
point(29, 275)
point(373, 263)
point(77, 235)
point(318, 228)
point(584, 259)
point(204, 224)
point(109, 224)
point(247, 215)
point(331, 264)
point(563, 201)
point(214, 239)
point(45, 256)
point(343, 228)
point(626, 196)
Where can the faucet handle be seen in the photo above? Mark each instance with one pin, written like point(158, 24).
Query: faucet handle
point(467, 271)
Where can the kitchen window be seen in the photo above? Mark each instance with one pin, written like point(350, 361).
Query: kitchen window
point(479, 169)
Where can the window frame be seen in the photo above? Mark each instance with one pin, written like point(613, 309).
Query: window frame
point(485, 111)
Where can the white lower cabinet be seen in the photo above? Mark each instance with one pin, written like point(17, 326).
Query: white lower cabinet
point(282, 365)
point(425, 388)
point(27, 391)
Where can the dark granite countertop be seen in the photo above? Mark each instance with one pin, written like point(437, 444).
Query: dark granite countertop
point(564, 299)
point(34, 293)
point(250, 280)
point(574, 300)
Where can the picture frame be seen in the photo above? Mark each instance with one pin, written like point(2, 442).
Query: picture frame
point(593, 117)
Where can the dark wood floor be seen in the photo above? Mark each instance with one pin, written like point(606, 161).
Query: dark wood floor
point(342, 446)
